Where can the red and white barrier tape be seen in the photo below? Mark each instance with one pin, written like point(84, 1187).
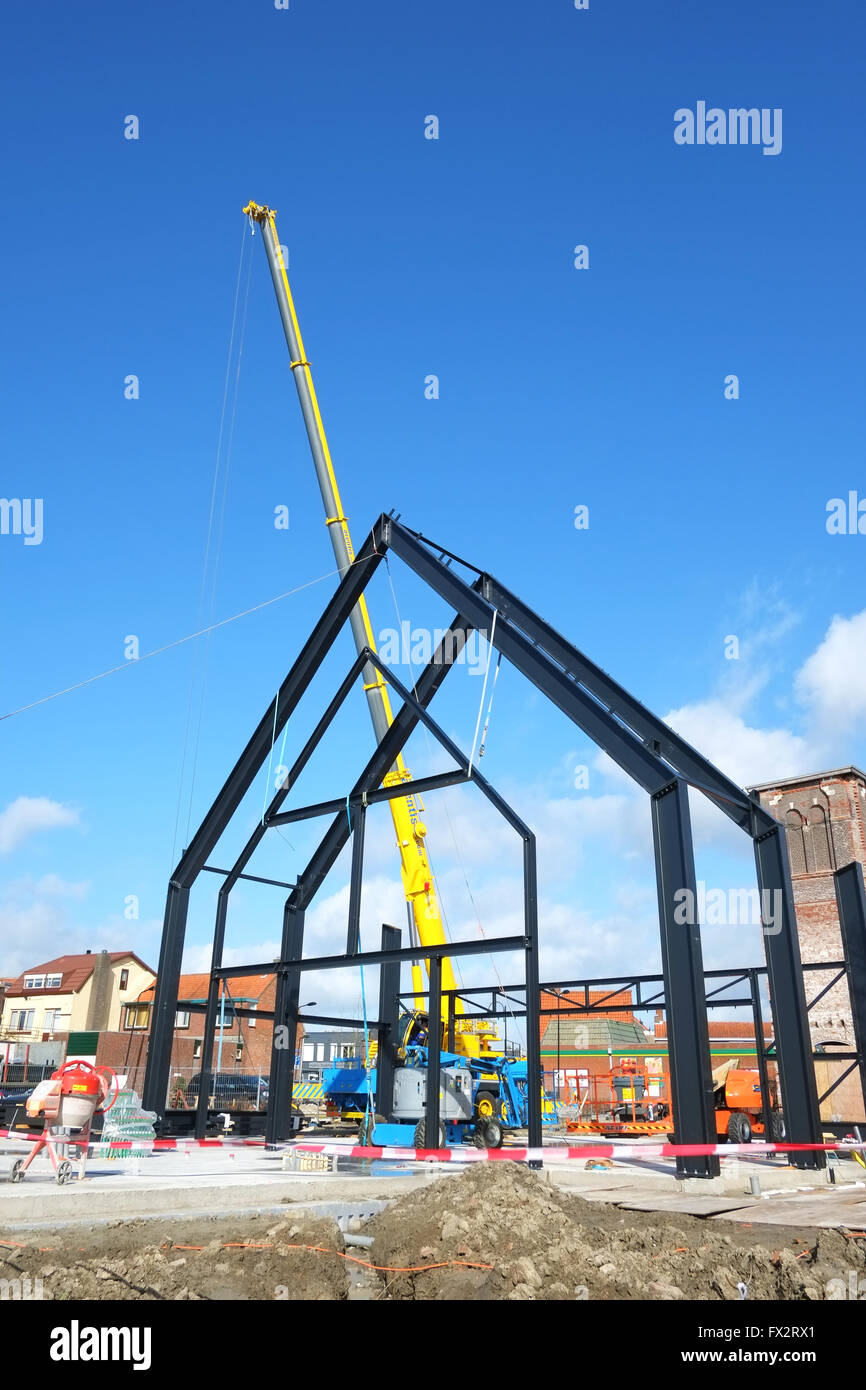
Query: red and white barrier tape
point(121, 1145)
point(558, 1153)
point(466, 1153)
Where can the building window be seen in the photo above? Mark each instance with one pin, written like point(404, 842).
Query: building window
point(308, 1052)
point(320, 1052)
point(22, 1020)
point(196, 1049)
point(181, 1018)
point(796, 841)
point(53, 981)
point(251, 1021)
point(136, 1015)
point(239, 1052)
point(52, 1020)
point(34, 981)
point(821, 845)
point(124, 980)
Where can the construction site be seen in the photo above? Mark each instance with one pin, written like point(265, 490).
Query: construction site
point(687, 1134)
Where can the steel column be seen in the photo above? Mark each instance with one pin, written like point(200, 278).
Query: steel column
point(286, 1002)
point(353, 935)
point(533, 996)
point(788, 999)
point(686, 1017)
point(215, 983)
point(155, 1089)
point(434, 1044)
point(760, 1050)
point(851, 902)
point(389, 1016)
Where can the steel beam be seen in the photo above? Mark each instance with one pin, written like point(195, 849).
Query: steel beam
point(417, 787)
point(251, 878)
point(686, 1016)
point(403, 724)
point(626, 749)
point(481, 947)
point(788, 999)
point(690, 764)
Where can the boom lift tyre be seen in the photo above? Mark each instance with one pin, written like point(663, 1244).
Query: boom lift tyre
point(739, 1128)
point(492, 1134)
point(421, 1136)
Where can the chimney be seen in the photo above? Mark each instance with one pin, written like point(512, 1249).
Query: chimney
point(100, 993)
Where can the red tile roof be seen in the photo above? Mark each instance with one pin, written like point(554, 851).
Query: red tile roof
point(196, 987)
point(719, 1029)
point(75, 971)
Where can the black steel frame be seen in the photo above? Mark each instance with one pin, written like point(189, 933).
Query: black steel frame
point(652, 754)
point(504, 1005)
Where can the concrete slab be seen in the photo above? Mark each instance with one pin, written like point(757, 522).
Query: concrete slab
point(686, 1206)
point(827, 1210)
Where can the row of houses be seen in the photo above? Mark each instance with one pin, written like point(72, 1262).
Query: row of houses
point(99, 1005)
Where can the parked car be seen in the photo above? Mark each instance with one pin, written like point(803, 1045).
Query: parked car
point(230, 1088)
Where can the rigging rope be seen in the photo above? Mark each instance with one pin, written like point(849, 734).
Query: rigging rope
point(484, 689)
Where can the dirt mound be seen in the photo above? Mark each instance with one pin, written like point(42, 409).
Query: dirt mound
point(202, 1260)
point(541, 1243)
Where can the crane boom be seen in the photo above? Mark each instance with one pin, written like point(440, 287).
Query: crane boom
point(417, 875)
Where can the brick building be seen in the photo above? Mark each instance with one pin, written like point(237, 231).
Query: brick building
point(582, 1050)
point(70, 993)
point(241, 1044)
point(824, 815)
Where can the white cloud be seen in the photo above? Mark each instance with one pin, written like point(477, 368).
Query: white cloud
point(833, 679)
point(27, 816)
point(745, 752)
point(37, 924)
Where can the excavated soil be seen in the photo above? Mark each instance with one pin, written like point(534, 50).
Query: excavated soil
point(533, 1240)
point(205, 1259)
point(541, 1243)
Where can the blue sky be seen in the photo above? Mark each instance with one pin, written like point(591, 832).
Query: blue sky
point(558, 387)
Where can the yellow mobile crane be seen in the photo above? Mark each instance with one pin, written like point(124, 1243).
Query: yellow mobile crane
point(473, 1039)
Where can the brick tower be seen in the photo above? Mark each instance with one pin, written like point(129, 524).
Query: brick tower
point(824, 815)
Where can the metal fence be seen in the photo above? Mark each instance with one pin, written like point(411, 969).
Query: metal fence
point(19, 1075)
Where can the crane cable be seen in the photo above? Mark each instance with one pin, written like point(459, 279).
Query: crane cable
point(195, 666)
point(221, 526)
point(169, 646)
